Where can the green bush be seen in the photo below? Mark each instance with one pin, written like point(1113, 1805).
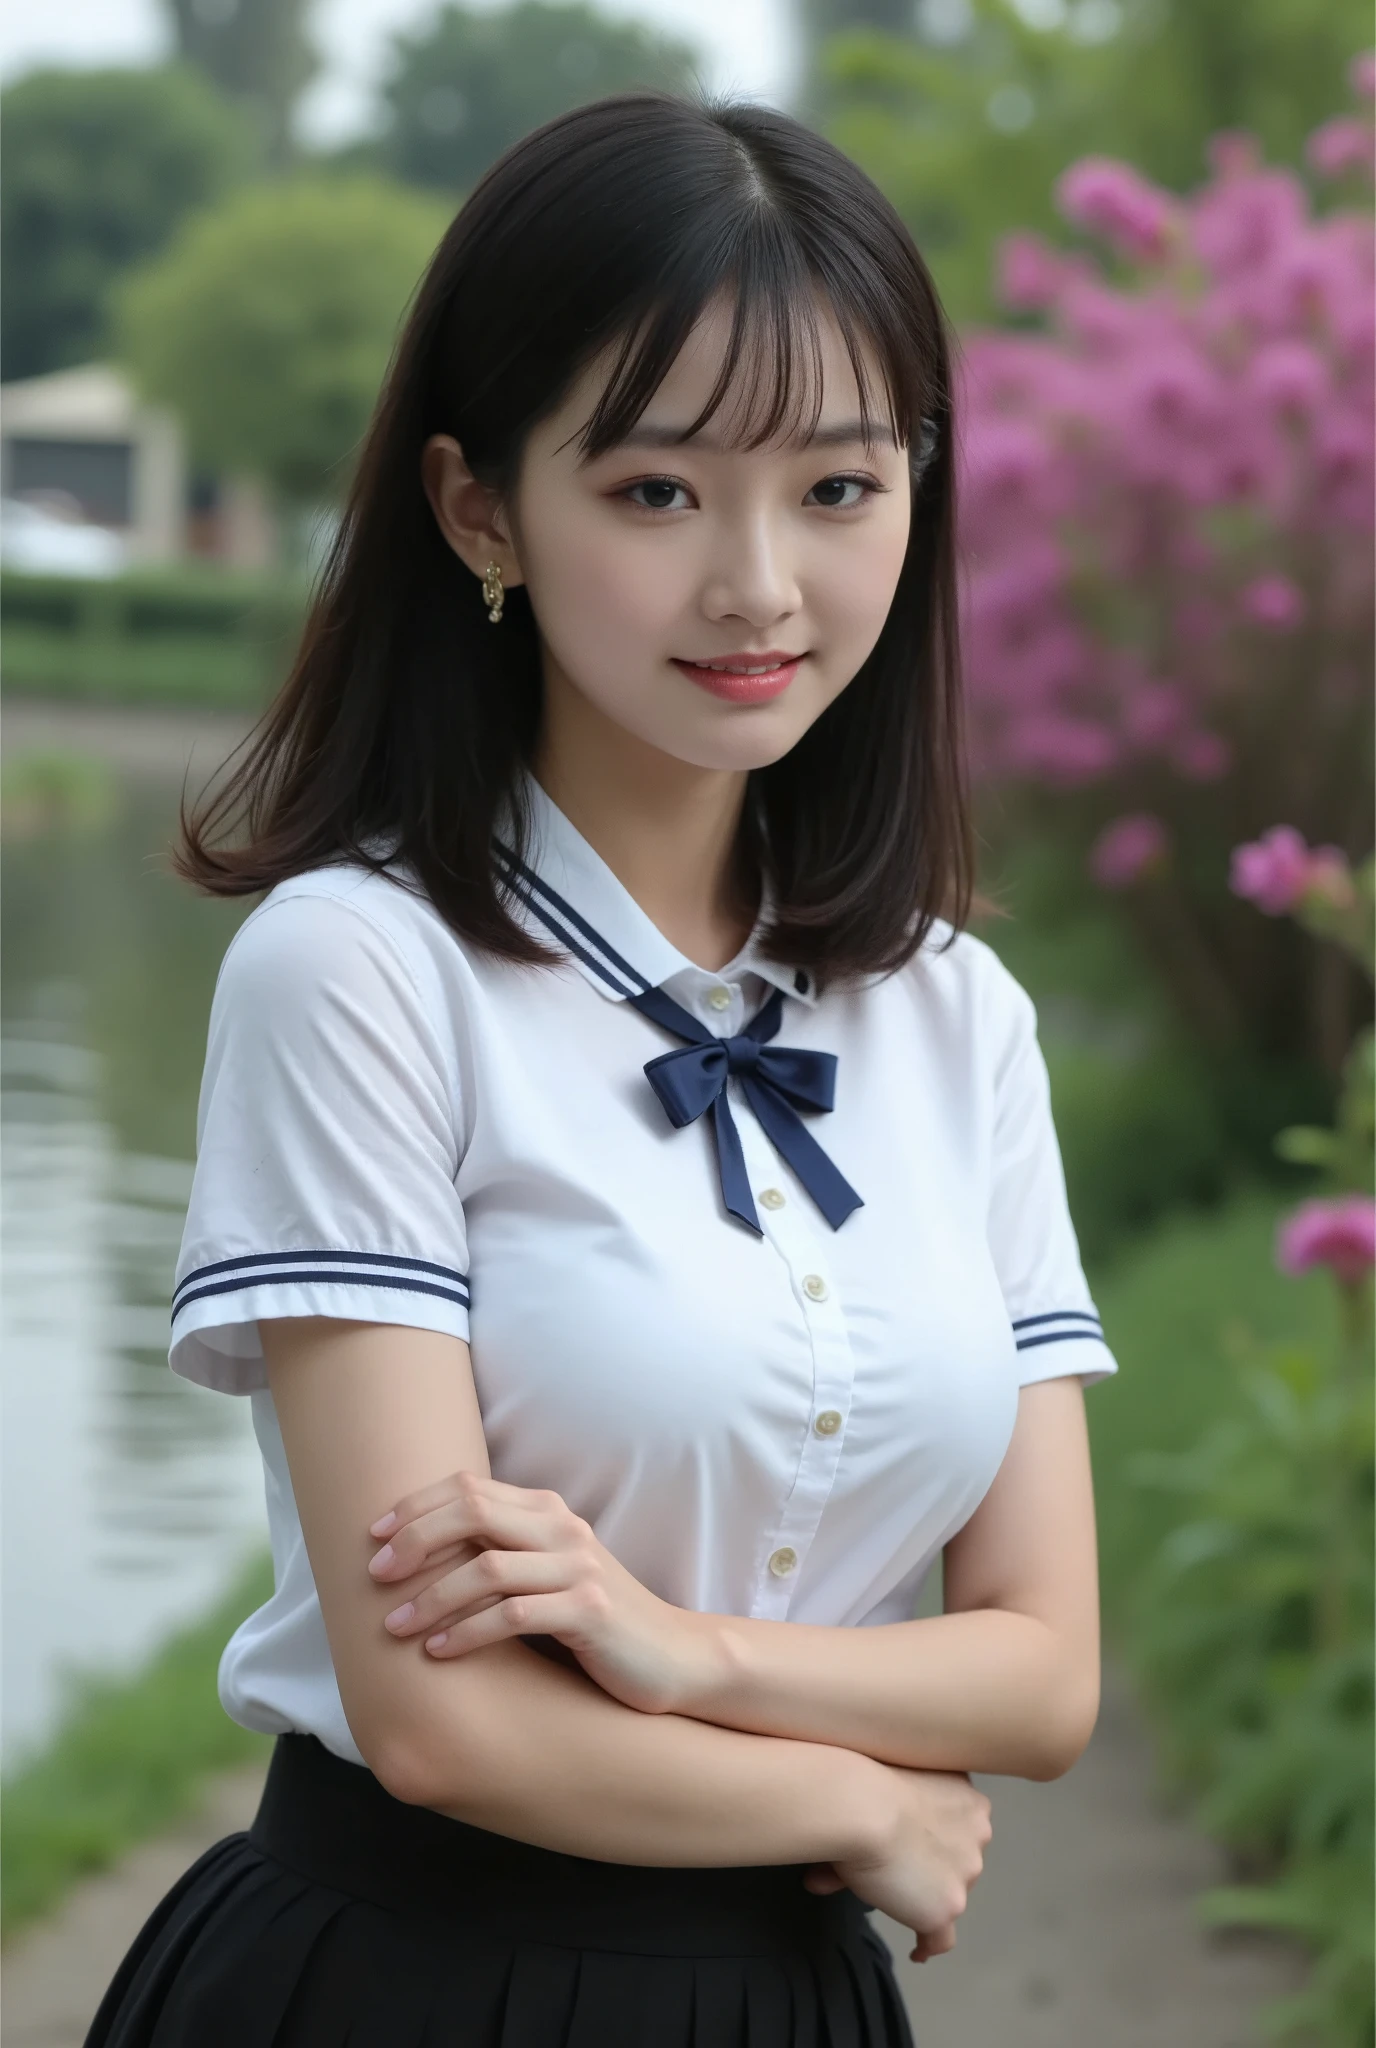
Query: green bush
point(1250, 1619)
point(1252, 1633)
point(184, 636)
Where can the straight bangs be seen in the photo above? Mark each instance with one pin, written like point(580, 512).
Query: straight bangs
point(399, 736)
point(774, 349)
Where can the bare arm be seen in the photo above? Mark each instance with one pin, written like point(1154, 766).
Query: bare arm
point(505, 1738)
point(1006, 1680)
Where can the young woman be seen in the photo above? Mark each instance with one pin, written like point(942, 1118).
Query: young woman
point(625, 1192)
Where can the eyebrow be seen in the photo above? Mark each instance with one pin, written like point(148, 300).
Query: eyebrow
point(845, 431)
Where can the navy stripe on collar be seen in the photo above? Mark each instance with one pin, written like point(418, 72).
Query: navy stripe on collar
point(557, 916)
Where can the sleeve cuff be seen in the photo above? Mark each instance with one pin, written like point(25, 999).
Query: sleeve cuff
point(216, 1308)
point(1059, 1342)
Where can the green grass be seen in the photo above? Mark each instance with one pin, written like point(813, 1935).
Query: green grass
point(1166, 1304)
point(127, 1761)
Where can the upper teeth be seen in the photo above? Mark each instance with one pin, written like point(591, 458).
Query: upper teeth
point(730, 668)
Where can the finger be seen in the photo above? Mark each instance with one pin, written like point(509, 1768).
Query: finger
point(938, 1942)
point(822, 1879)
point(475, 1516)
point(440, 1492)
point(421, 1501)
point(492, 1575)
point(536, 1614)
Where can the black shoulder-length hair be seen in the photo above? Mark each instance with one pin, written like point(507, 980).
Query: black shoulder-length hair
point(407, 715)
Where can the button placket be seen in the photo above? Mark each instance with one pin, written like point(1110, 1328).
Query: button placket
point(800, 1241)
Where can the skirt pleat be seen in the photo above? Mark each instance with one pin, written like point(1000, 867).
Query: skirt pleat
point(346, 1919)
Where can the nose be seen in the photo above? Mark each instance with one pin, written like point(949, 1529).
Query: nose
point(752, 576)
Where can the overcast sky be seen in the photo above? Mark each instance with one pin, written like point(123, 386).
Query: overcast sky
point(749, 44)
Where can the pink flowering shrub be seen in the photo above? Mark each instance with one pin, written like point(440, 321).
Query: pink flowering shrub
point(1167, 526)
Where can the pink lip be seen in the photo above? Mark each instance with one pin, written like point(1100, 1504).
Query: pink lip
point(739, 689)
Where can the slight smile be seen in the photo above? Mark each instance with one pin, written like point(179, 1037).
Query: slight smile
point(744, 678)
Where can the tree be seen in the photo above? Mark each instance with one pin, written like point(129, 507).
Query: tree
point(257, 52)
point(965, 122)
point(473, 83)
point(99, 167)
point(268, 323)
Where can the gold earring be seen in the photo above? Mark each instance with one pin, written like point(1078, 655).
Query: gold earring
point(493, 594)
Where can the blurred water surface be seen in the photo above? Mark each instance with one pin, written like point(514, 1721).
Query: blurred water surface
point(130, 1497)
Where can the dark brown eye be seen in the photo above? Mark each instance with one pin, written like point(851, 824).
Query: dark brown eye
point(838, 484)
point(664, 485)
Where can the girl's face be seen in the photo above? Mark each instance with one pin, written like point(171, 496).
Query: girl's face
point(658, 572)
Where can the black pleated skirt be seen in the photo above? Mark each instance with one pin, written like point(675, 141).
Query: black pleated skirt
point(344, 1918)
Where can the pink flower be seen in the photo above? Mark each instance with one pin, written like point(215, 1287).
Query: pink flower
point(1277, 871)
point(1340, 1234)
point(1030, 274)
point(1361, 75)
point(1290, 377)
point(1111, 199)
point(1340, 146)
point(1273, 601)
point(1127, 849)
point(1271, 871)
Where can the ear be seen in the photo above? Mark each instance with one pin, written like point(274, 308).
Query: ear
point(468, 514)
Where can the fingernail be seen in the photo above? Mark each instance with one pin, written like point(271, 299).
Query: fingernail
point(436, 1642)
point(382, 1560)
point(400, 1615)
point(383, 1526)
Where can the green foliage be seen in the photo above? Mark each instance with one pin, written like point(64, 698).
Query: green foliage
point(471, 83)
point(967, 136)
point(1233, 1482)
point(156, 636)
point(99, 168)
point(257, 53)
point(967, 141)
point(127, 1761)
point(1147, 1120)
point(1170, 1303)
point(1253, 1636)
point(268, 324)
point(1251, 1623)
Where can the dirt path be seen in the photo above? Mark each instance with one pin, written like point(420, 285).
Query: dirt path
point(1080, 1934)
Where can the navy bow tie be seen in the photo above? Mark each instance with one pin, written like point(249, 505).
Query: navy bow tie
point(693, 1078)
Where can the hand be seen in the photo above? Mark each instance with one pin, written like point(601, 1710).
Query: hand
point(934, 1854)
point(527, 1565)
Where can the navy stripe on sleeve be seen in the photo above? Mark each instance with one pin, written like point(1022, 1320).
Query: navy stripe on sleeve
point(1056, 1326)
point(346, 1269)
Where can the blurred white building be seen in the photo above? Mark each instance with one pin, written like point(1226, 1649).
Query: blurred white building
point(79, 449)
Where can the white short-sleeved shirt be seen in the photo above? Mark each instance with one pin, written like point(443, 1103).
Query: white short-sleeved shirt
point(397, 1127)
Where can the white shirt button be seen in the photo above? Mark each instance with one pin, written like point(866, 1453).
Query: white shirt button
point(828, 1422)
point(782, 1562)
point(719, 998)
point(815, 1287)
point(771, 1198)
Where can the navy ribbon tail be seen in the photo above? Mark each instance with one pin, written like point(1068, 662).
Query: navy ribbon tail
point(777, 1081)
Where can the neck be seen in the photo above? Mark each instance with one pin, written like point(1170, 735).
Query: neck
point(665, 828)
